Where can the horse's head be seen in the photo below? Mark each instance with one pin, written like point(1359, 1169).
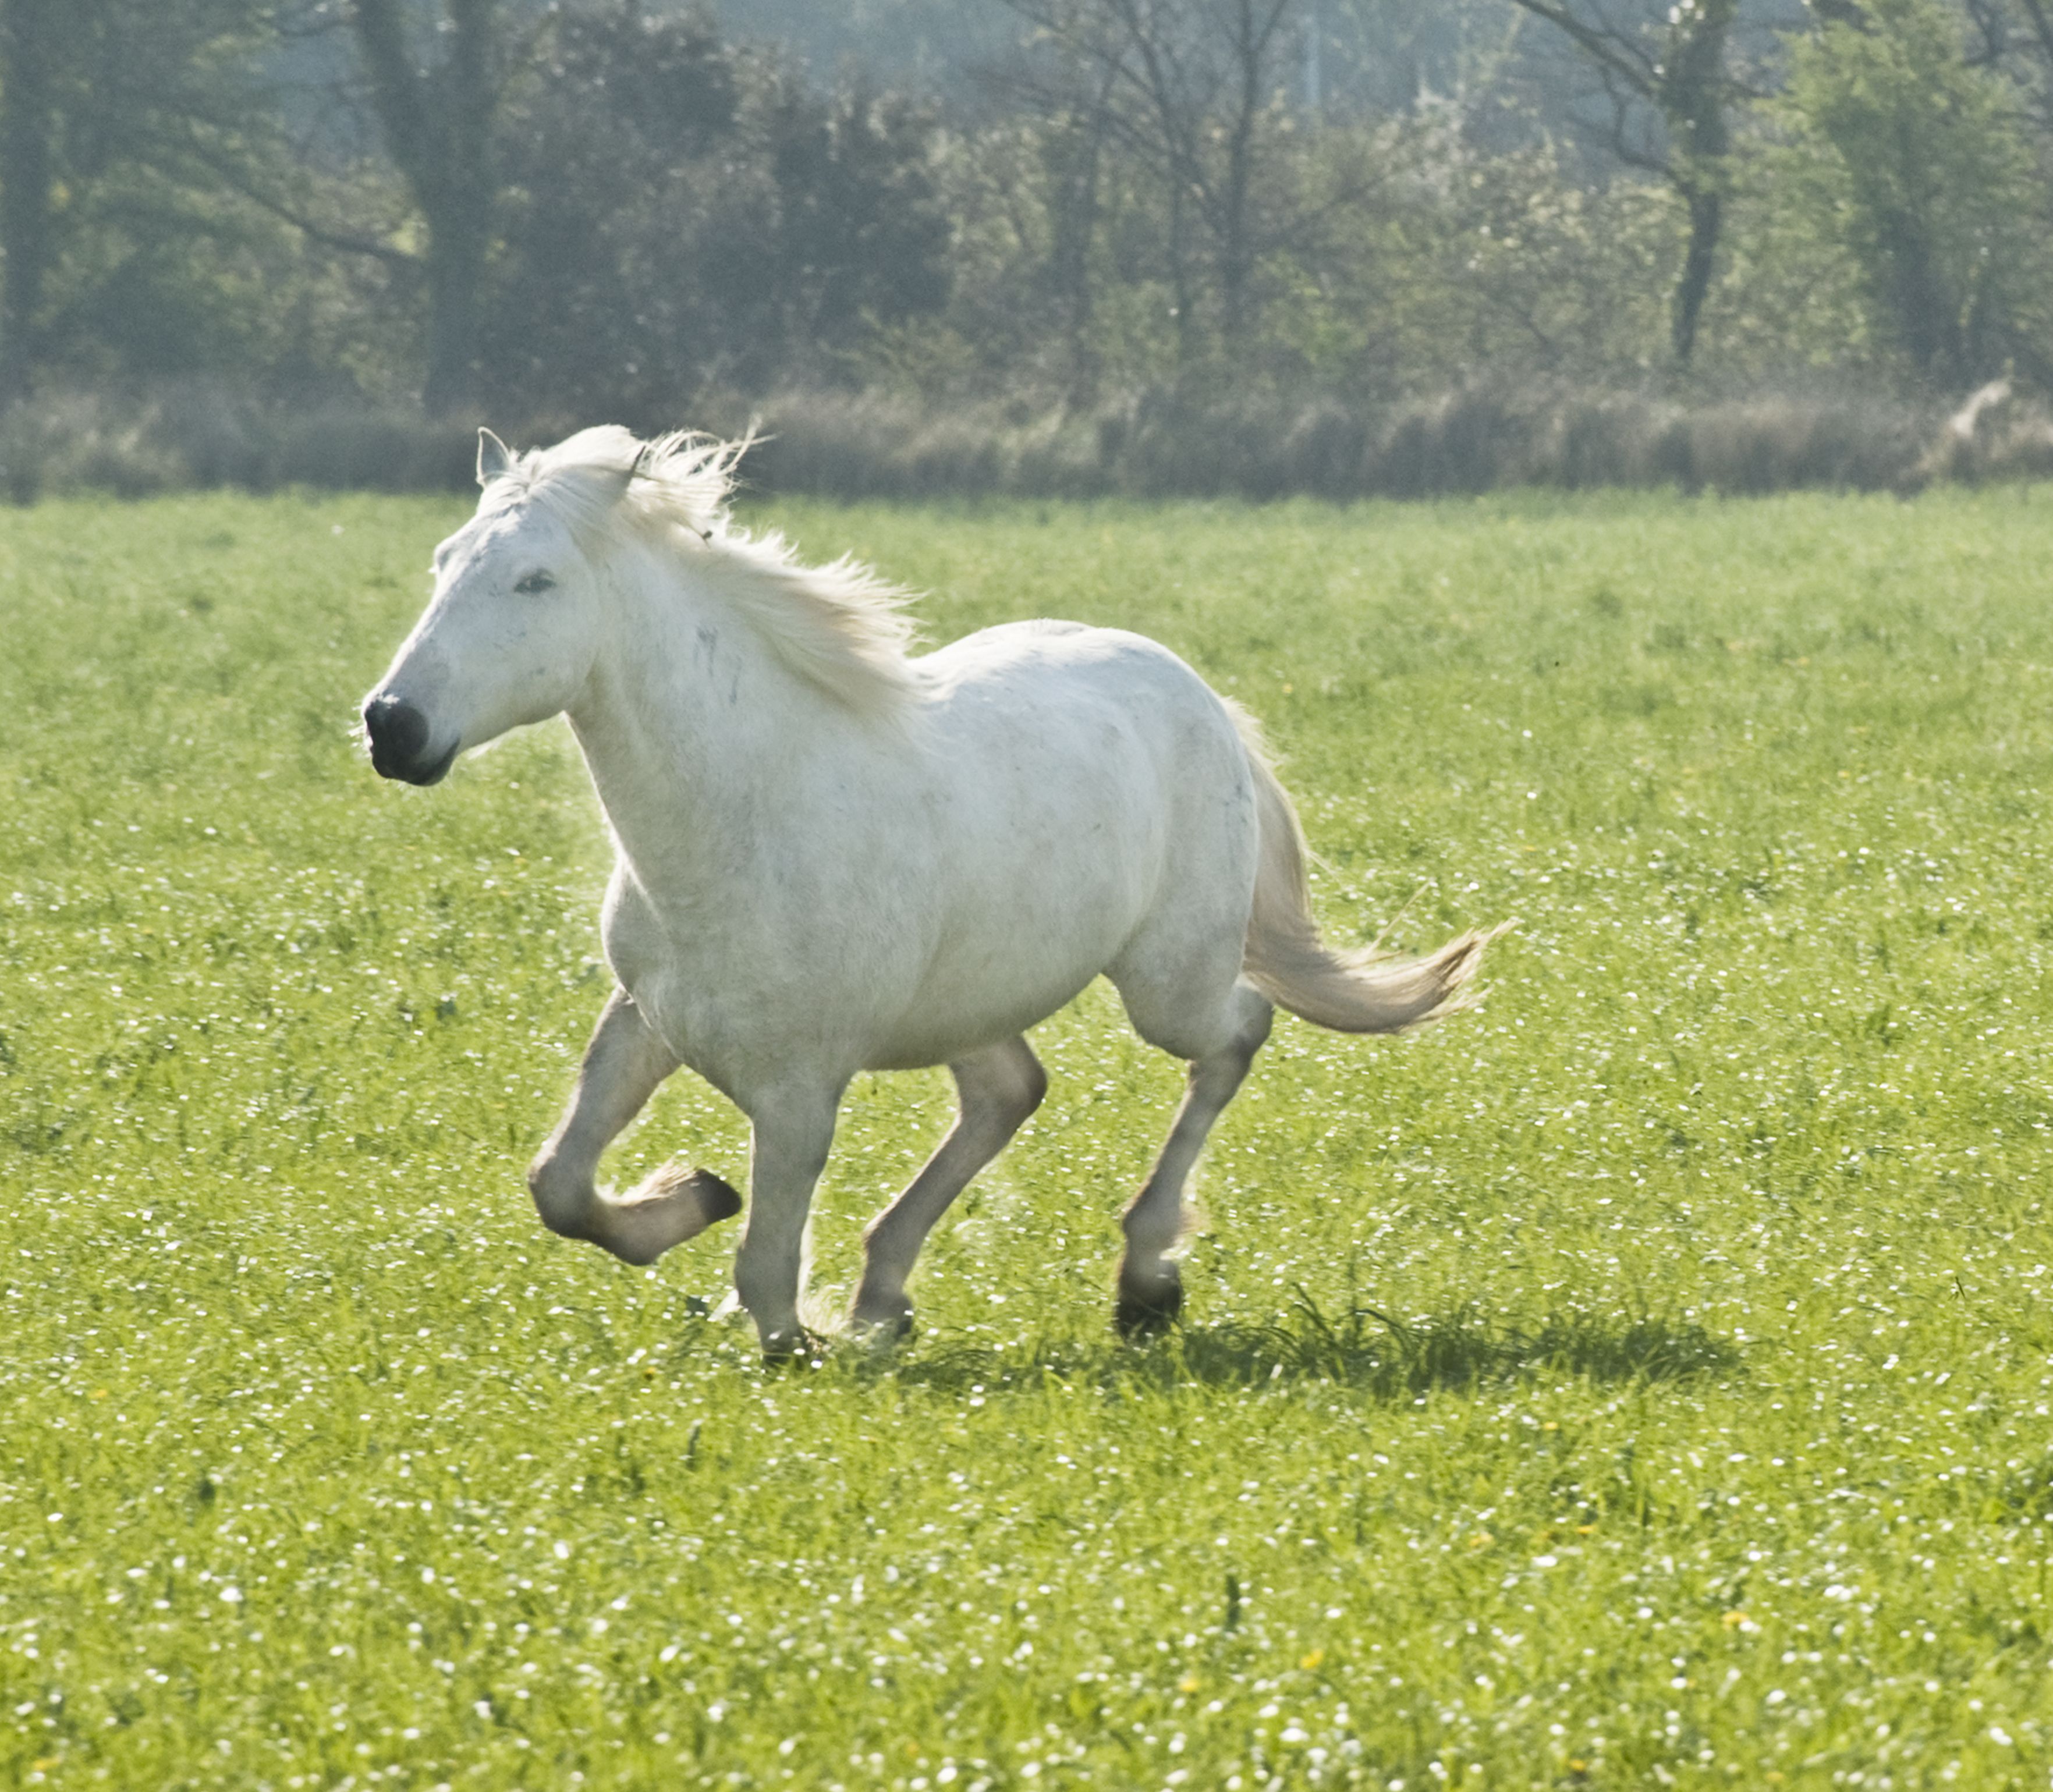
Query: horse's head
point(509, 637)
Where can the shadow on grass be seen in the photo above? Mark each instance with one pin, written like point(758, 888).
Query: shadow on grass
point(2027, 1492)
point(1361, 1348)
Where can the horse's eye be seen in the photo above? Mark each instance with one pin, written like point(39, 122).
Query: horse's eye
point(535, 582)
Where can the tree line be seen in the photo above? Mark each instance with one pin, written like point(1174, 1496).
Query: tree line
point(606, 208)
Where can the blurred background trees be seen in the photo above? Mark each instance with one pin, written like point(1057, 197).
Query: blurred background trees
point(1665, 89)
point(635, 210)
point(118, 247)
point(1909, 152)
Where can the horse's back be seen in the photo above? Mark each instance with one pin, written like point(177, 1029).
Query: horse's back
point(1108, 721)
point(1053, 667)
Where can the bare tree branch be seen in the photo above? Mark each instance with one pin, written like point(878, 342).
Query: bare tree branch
point(2042, 27)
point(1604, 42)
point(1188, 89)
point(1677, 70)
point(235, 176)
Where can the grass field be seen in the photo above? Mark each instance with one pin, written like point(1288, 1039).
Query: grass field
point(1645, 1380)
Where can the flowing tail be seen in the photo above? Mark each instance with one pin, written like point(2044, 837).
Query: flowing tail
point(1361, 991)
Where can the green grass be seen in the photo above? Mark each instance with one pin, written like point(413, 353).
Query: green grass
point(1645, 1380)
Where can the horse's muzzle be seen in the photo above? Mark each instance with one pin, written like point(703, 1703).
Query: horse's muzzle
point(398, 736)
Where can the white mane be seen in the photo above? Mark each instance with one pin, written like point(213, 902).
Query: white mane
point(839, 626)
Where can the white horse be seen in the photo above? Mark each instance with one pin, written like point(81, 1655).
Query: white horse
point(833, 855)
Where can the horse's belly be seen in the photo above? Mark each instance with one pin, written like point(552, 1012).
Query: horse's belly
point(966, 1003)
point(930, 1038)
point(737, 1007)
point(1020, 948)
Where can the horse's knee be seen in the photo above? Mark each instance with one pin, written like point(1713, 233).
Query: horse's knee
point(563, 1198)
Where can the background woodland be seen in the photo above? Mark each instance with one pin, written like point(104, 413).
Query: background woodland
point(1061, 245)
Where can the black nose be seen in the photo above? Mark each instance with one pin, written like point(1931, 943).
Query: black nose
point(399, 741)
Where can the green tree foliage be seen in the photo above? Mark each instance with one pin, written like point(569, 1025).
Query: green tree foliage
point(598, 294)
point(125, 251)
point(1413, 258)
point(1676, 68)
point(601, 209)
point(1190, 95)
point(1917, 163)
point(858, 236)
point(679, 213)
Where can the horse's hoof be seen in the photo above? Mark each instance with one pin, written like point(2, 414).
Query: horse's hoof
point(882, 1333)
point(799, 1346)
point(1136, 1316)
point(669, 1206)
point(717, 1200)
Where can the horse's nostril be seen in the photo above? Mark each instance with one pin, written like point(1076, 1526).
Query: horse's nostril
point(398, 734)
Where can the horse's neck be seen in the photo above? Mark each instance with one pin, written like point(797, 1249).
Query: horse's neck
point(689, 726)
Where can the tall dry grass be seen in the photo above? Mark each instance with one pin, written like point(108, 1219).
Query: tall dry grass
point(860, 445)
point(201, 437)
point(1477, 439)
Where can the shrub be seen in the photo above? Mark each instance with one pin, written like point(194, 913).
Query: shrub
point(857, 445)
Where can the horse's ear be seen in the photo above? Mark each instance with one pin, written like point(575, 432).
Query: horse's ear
point(495, 461)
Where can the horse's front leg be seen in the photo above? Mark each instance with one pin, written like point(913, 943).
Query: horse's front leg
point(794, 1130)
point(622, 1066)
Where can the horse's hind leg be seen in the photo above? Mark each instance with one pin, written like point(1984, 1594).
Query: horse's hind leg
point(794, 1126)
point(999, 1086)
point(1151, 1287)
point(622, 1066)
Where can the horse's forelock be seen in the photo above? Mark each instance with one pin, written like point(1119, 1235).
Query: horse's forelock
point(684, 478)
point(602, 476)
